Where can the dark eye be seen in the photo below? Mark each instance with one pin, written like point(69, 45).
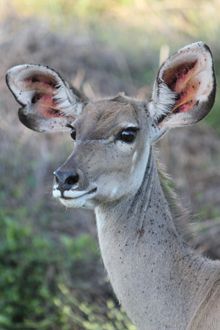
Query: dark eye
point(73, 133)
point(128, 135)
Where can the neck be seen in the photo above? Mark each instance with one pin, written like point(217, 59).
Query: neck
point(155, 275)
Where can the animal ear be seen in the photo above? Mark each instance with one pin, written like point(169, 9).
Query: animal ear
point(184, 90)
point(48, 103)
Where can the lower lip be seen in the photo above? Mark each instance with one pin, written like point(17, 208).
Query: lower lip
point(87, 193)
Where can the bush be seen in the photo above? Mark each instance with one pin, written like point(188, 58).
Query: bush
point(42, 282)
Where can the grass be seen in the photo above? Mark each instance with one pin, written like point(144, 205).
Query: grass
point(43, 282)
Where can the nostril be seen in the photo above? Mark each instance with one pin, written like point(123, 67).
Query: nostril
point(66, 179)
point(72, 179)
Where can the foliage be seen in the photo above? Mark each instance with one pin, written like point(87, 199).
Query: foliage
point(40, 286)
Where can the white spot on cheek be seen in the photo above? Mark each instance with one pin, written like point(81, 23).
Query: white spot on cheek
point(114, 192)
point(74, 193)
point(134, 158)
point(132, 168)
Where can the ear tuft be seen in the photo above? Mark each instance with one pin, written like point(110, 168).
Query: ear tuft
point(163, 100)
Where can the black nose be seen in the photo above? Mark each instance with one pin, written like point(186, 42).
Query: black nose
point(66, 179)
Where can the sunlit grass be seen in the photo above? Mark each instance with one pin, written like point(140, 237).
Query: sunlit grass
point(156, 21)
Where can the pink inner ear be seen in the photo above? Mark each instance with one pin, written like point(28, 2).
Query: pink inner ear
point(182, 80)
point(40, 83)
point(44, 88)
point(46, 106)
point(40, 78)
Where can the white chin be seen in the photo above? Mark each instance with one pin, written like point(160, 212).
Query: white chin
point(75, 199)
point(82, 202)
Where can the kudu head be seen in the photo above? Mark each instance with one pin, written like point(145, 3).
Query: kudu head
point(112, 137)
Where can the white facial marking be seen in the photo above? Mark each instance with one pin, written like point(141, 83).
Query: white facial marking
point(138, 168)
point(114, 192)
point(56, 193)
point(74, 193)
point(132, 168)
point(80, 202)
point(134, 157)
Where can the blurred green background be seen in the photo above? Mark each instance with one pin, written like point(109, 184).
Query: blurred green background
point(51, 273)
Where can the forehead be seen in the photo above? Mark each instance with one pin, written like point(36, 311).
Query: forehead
point(106, 116)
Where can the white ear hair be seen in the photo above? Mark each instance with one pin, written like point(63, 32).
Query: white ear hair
point(163, 100)
point(17, 75)
point(184, 90)
point(49, 103)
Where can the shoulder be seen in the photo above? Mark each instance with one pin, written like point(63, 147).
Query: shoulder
point(208, 314)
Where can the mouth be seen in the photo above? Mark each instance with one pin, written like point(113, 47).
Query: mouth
point(72, 194)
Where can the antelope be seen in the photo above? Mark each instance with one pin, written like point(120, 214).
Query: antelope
point(160, 281)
